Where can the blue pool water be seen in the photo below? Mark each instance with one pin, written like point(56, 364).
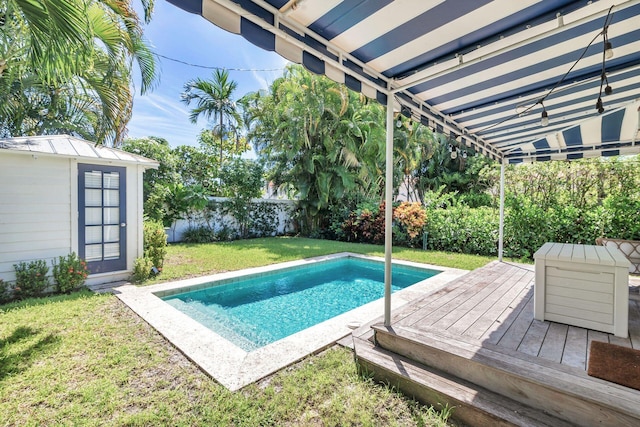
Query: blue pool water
point(258, 310)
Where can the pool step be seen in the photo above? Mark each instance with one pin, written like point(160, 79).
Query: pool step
point(241, 335)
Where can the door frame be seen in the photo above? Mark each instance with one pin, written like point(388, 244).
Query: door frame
point(109, 265)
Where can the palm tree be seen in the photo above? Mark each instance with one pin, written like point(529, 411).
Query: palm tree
point(214, 101)
point(318, 139)
point(413, 143)
point(65, 66)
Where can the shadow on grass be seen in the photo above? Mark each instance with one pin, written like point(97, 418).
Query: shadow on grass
point(17, 352)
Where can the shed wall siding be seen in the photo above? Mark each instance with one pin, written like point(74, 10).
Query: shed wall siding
point(35, 209)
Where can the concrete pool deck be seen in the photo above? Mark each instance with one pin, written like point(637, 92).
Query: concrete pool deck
point(235, 368)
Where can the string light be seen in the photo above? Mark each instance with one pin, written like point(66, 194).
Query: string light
point(607, 53)
point(544, 119)
point(608, 50)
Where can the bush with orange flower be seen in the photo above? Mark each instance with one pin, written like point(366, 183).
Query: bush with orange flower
point(409, 221)
point(31, 278)
point(69, 272)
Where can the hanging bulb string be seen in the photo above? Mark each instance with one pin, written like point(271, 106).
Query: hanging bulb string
point(605, 27)
point(606, 45)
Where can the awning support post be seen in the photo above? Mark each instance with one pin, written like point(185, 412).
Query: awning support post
point(501, 233)
point(388, 211)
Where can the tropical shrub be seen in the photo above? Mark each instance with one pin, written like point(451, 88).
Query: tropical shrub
point(409, 221)
point(622, 220)
point(463, 229)
point(155, 243)
point(142, 269)
point(527, 227)
point(365, 225)
point(5, 292)
point(226, 233)
point(31, 278)
point(264, 219)
point(69, 272)
point(242, 182)
point(181, 201)
point(475, 200)
point(199, 234)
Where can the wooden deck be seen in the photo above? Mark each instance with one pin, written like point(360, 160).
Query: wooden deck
point(495, 306)
point(489, 313)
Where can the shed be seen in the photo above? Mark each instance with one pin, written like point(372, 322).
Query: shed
point(60, 194)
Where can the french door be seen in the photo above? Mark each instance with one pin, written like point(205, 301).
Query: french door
point(102, 217)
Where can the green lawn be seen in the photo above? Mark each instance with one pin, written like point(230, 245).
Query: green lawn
point(188, 260)
point(86, 359)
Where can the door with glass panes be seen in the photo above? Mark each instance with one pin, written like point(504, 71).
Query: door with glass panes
point(102, 217)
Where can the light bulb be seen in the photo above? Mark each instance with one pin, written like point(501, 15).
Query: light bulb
point(399, 123)
point(544, 121)
point(608, 50)
point(454, 154)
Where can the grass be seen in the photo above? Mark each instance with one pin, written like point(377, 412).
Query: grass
point(86, 359)
point(189, 260)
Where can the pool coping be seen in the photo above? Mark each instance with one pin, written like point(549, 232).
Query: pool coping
point(235, 368)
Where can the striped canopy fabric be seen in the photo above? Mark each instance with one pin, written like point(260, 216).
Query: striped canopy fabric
point(483, 72)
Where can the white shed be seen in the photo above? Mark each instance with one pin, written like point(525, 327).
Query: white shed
point(60, 194)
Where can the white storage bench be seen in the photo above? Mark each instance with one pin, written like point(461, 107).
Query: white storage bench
point(582, 285)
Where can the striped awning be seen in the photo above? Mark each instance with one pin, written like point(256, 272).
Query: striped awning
point(480, 71)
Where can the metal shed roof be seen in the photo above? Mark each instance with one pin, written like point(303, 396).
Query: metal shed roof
point(69, 146)
point(481, 71)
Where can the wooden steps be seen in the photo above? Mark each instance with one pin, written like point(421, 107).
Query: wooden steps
point(498, 384)
point(470, 403)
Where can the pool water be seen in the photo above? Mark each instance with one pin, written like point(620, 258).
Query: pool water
point(261, 309)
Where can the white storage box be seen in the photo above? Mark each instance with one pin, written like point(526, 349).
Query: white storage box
point(582, 285)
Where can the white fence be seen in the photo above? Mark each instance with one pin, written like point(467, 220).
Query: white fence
point(280, 212)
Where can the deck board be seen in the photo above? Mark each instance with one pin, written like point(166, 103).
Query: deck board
point(514, 335)
point(553, 345)
point(491, 304)
point(503, 321)
point(484, 322)
point(623, 342)
point(575, 349)
point(441, 307)
point(595, 336)
point(532, 340)
point(472, 306)
point(424, 308)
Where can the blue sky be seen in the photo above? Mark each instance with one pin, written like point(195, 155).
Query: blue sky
point(192, 39)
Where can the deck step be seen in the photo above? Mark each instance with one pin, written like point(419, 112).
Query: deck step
point(564, 392)
point(471, 404)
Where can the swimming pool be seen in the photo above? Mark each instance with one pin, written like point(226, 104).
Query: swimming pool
point(235, 367)
point(258, 310)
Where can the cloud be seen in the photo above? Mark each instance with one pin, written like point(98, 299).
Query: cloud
point(266, 61)
point(164, 116)
point(162, 103)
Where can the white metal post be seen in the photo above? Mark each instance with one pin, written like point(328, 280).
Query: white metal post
point(501, 234)
point(388, 211)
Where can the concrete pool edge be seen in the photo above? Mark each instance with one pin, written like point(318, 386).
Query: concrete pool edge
point(235, 368)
